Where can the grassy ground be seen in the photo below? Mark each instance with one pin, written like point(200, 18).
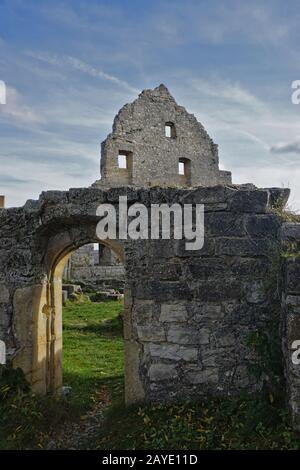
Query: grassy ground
point(92, 362)
point(93, 350)
point(93, 367)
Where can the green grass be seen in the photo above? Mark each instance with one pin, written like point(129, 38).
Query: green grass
point(92, 361)
point(93, 355)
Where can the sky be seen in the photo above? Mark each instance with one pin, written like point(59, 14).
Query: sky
point(69, 66)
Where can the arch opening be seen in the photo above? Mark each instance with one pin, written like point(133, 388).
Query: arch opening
point(64, 330)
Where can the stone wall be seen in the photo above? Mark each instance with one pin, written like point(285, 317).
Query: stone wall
point(96, 269)
point(152, 157)
point(100, 276)
point(291, 315)
point(189, 315)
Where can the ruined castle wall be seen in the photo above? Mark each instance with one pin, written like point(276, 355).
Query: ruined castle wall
point(99, 276)
point(196, 313)
point(139, 130)
point(95, 269)
point(291, 315)
point(190, 315)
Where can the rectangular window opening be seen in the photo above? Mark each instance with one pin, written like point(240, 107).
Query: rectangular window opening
point(181, 168)
point(168, 131)
point(122, 161)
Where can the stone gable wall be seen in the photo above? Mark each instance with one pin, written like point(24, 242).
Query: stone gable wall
point(139, 129)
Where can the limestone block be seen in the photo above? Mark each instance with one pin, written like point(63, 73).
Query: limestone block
point(184, 335)
point(173, 312)
point(4, 294)
point(151, 333)
point(290, 232)
point(226, 340)
point(160, 371)
point(255, 292)
point(260, 225)
point(143, 310)
point(250, 201)
point(244, 247)
point(221, 224)
point(208, 310)
point(196, 376)
point(293, 275)
point(173, 352)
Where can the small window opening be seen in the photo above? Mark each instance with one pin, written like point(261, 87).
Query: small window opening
point(181, 168)
point(122, 161)
point(184, 171)
point(170, 130)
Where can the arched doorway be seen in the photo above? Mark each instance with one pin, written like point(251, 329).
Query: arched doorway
point(54, 340)
point(54, 378)
point(41, 327)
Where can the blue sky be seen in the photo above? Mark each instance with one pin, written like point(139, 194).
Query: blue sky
point(70, 65)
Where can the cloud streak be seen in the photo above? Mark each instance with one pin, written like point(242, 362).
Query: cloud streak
point(81, 66)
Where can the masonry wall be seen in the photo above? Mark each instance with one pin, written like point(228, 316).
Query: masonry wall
point(139, 131)
point(190, 315)
point(195, 314)
point(86, 266)
point(100, 276)
point(291, 315)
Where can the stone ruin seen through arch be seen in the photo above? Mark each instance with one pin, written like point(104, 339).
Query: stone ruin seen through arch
point(189, 316)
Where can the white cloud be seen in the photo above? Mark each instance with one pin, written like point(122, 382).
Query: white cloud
point(17, 110)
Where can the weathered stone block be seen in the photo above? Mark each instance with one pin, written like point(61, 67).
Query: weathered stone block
point(226, 340)
point(168, 271)
point(255, 292)
point(196, 376)
point(173, 312)
point(218, 290)
point(4, 294)
point(208, 311)
point(222, 224)
point(183, 335)
point(151, 333)
point(244, 247)
point(250, 201)
point(290, 232)
point(293, 300)
point(173, 352)
point(207, 195)
point(278, 197)
point(208, 249)
point(293, 275)
point(260, 225)
point(250, 267)
point(158, 372)
point(205, 268)
point(162, 291)
point(143, 311)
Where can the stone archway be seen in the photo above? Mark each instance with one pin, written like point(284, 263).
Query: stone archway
point(54, 340)
point(38, 309)
point(187, 314)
